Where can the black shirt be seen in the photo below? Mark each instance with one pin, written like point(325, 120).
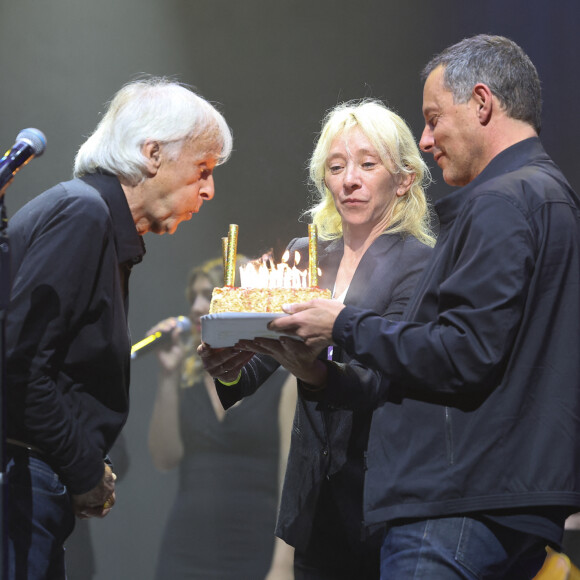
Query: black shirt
point(481, 384)
point(68, 344)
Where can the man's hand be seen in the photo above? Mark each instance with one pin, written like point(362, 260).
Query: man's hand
point(312, 321)
point(97, 502)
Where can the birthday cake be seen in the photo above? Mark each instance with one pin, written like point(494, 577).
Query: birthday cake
point(232, 299)
point(244, 312)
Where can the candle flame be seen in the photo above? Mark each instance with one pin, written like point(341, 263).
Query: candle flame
point(265, 273)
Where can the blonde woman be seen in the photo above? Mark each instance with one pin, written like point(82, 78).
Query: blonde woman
point(373, 224)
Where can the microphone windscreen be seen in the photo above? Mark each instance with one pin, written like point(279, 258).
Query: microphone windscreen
point(35, 138)
point(184, 324)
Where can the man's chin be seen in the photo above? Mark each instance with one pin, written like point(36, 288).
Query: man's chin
point(454, 180)
point(172, 226)
point(451, 178)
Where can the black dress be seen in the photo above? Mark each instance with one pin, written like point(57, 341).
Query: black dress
point(222, 522)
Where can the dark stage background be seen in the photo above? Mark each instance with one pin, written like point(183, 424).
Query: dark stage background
point(274, 67)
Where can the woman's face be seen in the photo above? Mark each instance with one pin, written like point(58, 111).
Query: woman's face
point(201, 290)
point(363, 189)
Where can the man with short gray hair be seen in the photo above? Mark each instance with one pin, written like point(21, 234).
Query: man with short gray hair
point(472, 463)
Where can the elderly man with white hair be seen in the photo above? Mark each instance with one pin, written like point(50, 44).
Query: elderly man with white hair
point(147, 167)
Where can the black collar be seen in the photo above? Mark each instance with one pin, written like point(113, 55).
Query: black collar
point(508, 160)
point(129, 244)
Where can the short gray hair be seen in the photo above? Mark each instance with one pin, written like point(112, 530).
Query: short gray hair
point(155, 109)
point(499, 63)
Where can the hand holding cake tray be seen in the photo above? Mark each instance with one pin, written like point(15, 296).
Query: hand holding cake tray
point(244, 312)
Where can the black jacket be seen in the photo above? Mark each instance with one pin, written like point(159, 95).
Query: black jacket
point(479, 406)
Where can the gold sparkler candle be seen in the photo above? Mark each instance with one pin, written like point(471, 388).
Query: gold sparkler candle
point(231, 255)
point(313, 255)
point(225, 256)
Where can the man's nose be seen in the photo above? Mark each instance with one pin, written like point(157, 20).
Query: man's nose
point(207, 190)
point(426, 142)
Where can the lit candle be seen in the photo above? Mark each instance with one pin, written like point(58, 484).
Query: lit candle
point(313, 255)
point(265, 273)
point(225, 256)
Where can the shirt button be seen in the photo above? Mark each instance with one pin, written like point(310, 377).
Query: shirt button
point(325, 451)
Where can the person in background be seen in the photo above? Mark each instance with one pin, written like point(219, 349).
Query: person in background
point(147, 167)
point(373, 224)
point(231, 463)
point(473, 452)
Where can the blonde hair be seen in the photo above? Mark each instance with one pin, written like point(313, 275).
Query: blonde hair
point(394, 142)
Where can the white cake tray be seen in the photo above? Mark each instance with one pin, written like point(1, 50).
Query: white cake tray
point(226, 328)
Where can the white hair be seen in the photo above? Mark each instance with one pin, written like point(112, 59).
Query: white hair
point(151, 109)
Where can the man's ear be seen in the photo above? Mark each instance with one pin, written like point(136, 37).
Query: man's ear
point(151, 150)
point(483, 98)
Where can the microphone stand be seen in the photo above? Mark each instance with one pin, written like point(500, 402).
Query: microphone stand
point(4, 302)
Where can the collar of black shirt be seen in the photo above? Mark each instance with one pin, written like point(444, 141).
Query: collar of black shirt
point(130, 245)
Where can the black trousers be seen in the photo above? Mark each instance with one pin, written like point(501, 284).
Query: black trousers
point(339, 547)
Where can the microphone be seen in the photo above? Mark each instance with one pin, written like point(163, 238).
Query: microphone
point(159, 338)
point(29, 143)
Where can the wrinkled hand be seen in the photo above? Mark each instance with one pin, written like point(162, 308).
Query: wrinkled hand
point(294, 355)
point(172, 355)
point(312, 321)
point(97, 502)
point(223, 363)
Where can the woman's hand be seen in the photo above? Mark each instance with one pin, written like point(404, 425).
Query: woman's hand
point(294, 355)
point(223, 364)
point(170, 356)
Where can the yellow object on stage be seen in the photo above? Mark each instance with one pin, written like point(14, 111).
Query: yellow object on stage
point(557, 566)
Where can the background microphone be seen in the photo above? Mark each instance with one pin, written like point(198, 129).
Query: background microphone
point(29, 143)
point(159, 338)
